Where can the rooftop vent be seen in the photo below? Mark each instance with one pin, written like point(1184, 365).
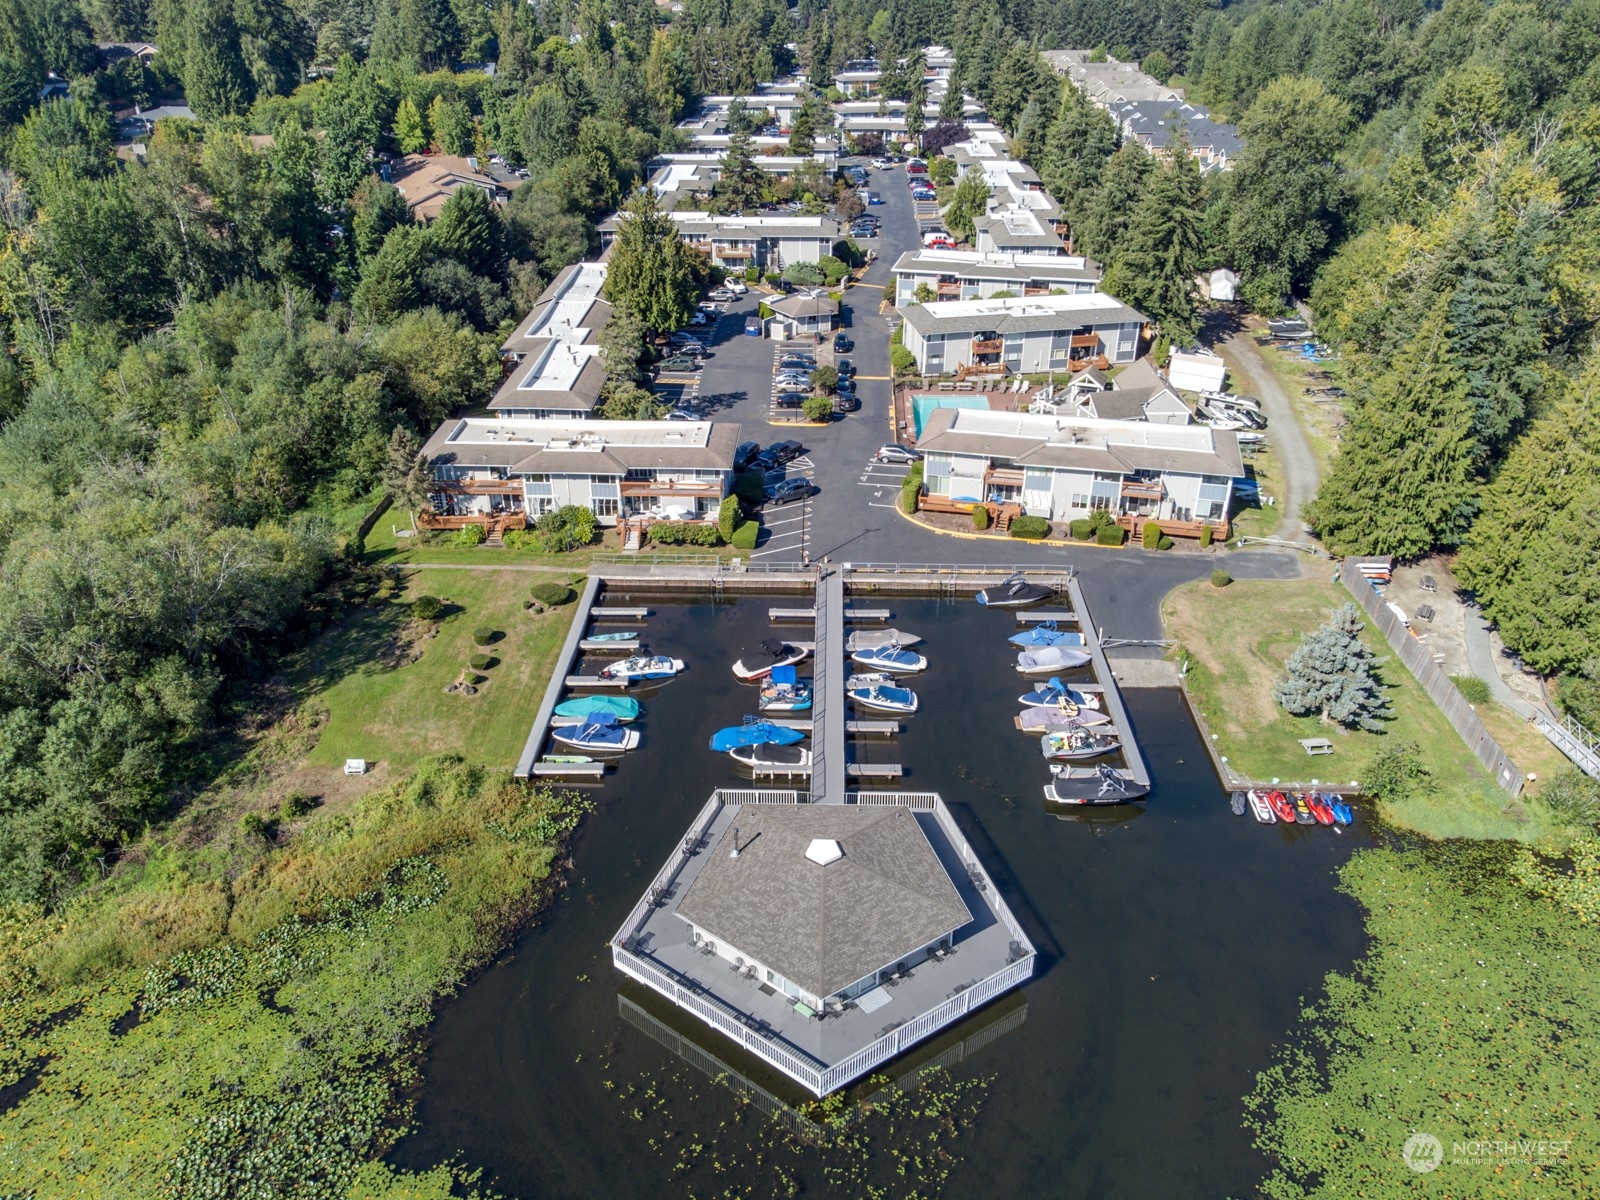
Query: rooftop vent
point(823, 851)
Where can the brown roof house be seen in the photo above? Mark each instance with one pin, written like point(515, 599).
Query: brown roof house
point(428, 180)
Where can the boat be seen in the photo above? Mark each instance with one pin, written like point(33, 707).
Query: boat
point(576, 710)
point(1319, 808)
point(774, 757)
point(1302, 811)
point(1281, 808)
point(889, 658)
point(642, 666)
point(885, 698)
point(1014, 592)
point(783, 692)
point(1070, 744)
point(755, 732)
point(1092, 785)
point(865, 639)
point(769, 653)
point(1053, 691)
point(1261, 807)
point(867, 679)
point(600, 732)
point(617, 635)
point(1050, 658)
point(1057, 716)
point(1046, 633)
point(1339, 807)
point(1238, 802)
point(567, 760)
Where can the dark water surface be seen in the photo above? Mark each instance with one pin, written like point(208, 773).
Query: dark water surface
point(1176, 943)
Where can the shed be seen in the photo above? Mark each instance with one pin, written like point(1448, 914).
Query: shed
point(1223, 284)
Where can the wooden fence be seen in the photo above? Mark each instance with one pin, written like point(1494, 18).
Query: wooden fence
point(1434, 681)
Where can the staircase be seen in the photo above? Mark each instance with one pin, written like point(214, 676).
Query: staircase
point(633, 536)
point(496, 533)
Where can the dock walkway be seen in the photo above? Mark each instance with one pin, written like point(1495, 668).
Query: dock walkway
point(827, 690)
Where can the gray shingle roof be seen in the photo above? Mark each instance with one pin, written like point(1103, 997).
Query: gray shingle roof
point(824, 927)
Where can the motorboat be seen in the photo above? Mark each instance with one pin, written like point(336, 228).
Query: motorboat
point(889, 658)
point(600, 733)
point(1302, 811)
point(1071, 744)
point(1053, 691)
point(1281, 808)
point(1319, 808)
point(861, 679)
point(642, 666)
point(615, 635)
point(772, 757)
point(1339, 807)
point(580, 708)
point(755, 731)
point(1260, 806)
point(1050, 658)
point(1044, 719)
point(885, 698)
point(1014, 592)
point(769, 653)
point(866, 639)
point(1046, 633)
point(784, 692)
point(1092, 785)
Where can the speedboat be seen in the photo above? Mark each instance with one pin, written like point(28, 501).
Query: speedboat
point(771, 756)
point(1261, 807)
point(1050, 658)
point(1015, 592)
point(616, 635)
point(783, 692)
point(1046, 633)
point(1044, 719)
point(1302, 811)
point(1340, 809)
point(885, 698)
point(642, 666)
point(758, 663)
point(755, 732)
point(865, 639)
point(1092, 785)
point(580, 708)
point(889, 658)
point(1319, 808)
point(1070, 744)
point(1053, 691)
point(600, 732)
point(1281, 808)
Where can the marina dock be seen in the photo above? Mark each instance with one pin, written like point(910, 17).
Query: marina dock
point(1038, 616)
point(618, 613)
point(1107, 686)
point(589, 770)
point(827, 690)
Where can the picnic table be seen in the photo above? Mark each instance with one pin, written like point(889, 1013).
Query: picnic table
point(1316, 746)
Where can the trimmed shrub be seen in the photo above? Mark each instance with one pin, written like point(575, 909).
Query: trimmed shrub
point(427, 608)
point(728, 517)
point(684, 533)
point(817, 408)
point(825, 378)
point(749, 486)
point(566, 528)
point(473, 679)
point(470, 536)
point(1220, 578)
point(1205, 536)
point(1472, 689)
point(902, 360)
point(744, 537)
point(483, 635)
point(752, 274)
point(522, 539)
point(1152, 535)
point(551, 594)
point(1030, 527)
point(1100, 519)
point(1164, 543)
point(1110, 534)
point(764, 311)
point(980, 517)
point(481, 662)
point(1082, 529)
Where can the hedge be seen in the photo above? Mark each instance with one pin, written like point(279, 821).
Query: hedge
point(749, 486)
point(1205, 536)
point(551, 593)
point(1220, 578)
point(471, 535)
point(980, 517)
point(1164, 543)
point(481, 662)
point(684, 533)
point(427, 608)
point(1082, 529)
point(728, 517)
point(1152, 535)
point(483, 635)
point(744, 537)
point(1111, 535)
point(1030, 527)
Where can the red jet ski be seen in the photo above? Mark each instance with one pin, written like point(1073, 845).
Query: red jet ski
point(1320, 808)
point(1281, 807)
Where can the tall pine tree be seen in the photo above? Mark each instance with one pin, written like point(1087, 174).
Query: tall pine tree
point(649, 270)
point(1155, 270)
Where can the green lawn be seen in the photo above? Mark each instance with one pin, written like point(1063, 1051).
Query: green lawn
point(383, 546)
point(386, 709)
point(1263, 520)
point(1237, 640)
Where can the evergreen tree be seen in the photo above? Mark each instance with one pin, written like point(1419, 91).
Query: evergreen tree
point(214, 75)
point(622, 344)
point(1332, 674)
point(409, 133)
point(406, 479)
point(376, 208)
point(952, 106)
point(1107, 213)
point(1403, 482)
point(650, 272)
point(740, 183)
point(352, 113)
point(468, 230)
point(970, 201)
point(1156, 270)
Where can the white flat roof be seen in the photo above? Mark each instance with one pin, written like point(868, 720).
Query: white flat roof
point(579, 435)
point(1044, 426)
point(1027, 306)
point(1034, 261)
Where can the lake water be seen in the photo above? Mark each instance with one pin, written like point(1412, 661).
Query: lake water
point(1176, 942)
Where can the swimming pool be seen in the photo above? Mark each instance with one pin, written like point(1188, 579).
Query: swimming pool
point(921, 406)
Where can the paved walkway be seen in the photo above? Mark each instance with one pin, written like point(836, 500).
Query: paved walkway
point(1301, 473)
point(1485, 663)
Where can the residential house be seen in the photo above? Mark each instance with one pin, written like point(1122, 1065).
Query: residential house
point(1137, 394)
point(427, 181)
point(1110, 81)
point(769, 241)
point(505, 472)
point(1154, 124)
point(1022, 334)
point(552, 358)
point(972, 275)
point(686, 179)
point(803, 314)
point(1065, 467)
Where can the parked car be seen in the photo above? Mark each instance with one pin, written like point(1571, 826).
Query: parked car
point(790, 399)
point(783, 452)
point(686, 344)
point(883, 164)
point(737, 286)
point(917, 167)
point(846, 368)
point(799, 362)
point(721, 295)
point(786, 491)
point(873, 198)
point(845, 387)
point(846, 402)
point(679, 363)
point(700, 317)
point(896, 453)
point(842, 344)
point(744, 454)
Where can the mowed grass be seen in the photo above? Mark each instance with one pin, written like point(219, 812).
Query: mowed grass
point(1237, 640)
point(385, 709)
point(1263, 519)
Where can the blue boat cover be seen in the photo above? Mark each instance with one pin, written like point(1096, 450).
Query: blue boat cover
point(755, 733)
point(784, 675)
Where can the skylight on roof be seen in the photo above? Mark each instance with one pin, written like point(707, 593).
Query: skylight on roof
point(823, 851)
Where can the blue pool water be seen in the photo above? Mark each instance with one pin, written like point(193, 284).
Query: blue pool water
point(921, 406)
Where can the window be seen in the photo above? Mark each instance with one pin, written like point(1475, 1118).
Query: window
point(1080, 500)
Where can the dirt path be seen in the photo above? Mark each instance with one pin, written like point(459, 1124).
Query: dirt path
point(1300, 471)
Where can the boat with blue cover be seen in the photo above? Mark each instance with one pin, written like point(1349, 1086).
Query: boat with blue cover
point(576, 710)
point(885, 698)
point(1050, 658)
point(1046, 633)
point(599, 733)
point(754, 732)
point(889, 658)
point(642, 666)
point(1053, 691)
point(785, 692)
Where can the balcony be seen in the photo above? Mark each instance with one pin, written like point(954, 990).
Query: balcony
point(671, 487)
point(1142, 489)
point(483, 487)
point(949, 290)
point(987, 345)
point(1084, 341)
